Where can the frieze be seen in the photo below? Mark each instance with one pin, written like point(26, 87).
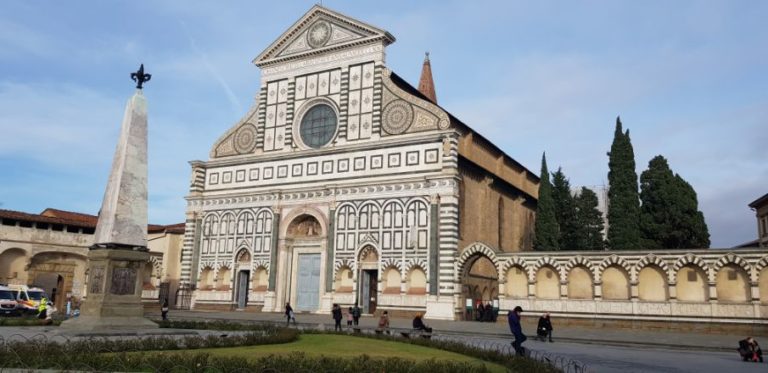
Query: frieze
point(319, 60)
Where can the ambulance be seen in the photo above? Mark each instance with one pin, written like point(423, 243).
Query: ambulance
point(8, 304)
point(28, 297)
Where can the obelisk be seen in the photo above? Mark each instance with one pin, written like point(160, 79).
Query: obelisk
point(118, 257)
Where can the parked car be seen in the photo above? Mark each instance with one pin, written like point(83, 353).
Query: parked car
point(8, 304)
point(28, 297)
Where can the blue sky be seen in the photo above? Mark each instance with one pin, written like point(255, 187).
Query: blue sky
point(689, 79)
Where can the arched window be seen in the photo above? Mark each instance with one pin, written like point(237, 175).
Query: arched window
point(344, 280)
point(501, 222)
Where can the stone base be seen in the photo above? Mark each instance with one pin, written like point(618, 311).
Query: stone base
point(269, 303)
point(439, 308)
point(105, 324)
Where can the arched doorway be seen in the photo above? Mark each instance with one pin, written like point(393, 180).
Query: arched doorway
point(243, 265)
point(368, 279)
point(61, 275)
point(479, 280)
point(303, 257)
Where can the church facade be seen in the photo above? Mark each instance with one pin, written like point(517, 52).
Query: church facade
point(345, 184)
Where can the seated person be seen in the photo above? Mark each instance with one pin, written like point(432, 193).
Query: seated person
point(383, 323)
point(750, 350)
point(418, 324)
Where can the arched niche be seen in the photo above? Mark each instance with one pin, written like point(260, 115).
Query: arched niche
point(580, 283)
point(652, 284)
point(692, 284)
point(615, 282)
point(547, 283)
point(732, 284)
point(304, 226)
point(391, 280)
point(517, 283)
point(344, 280)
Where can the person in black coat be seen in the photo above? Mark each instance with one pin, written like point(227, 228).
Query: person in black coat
point(336, 312)
point(750, 350)
point(544, 330)
point(418, 324)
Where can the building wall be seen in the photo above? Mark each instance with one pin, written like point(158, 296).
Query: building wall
point(695, 285)
point(33, 254)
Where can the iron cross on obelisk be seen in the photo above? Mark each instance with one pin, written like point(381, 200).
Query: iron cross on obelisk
point(140, 77)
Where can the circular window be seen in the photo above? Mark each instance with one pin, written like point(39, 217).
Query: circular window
point(318, 126)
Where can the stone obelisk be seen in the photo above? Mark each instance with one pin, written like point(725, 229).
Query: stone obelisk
point(118, 257)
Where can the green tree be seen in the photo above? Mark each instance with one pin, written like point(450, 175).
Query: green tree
point(669, 215)
point(590, 233)
point(545, 231)
point(565, 211)
point(623, 201)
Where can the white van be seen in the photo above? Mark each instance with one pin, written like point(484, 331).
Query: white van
point(28, 297)
point(8, 304)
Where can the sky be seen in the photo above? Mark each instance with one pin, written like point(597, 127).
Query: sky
point(688, 78)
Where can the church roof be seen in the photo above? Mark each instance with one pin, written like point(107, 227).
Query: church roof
point(321, 30)
point(464, 128)
point(426, 84)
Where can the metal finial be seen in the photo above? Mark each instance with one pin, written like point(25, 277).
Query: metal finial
point(426, 58)
point(140, 77)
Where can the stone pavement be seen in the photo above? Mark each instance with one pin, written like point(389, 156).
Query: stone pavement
point(601, 336)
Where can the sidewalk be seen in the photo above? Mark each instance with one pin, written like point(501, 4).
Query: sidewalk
point(604, 336)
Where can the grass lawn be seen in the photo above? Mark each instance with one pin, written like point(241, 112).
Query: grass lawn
point(347, 346)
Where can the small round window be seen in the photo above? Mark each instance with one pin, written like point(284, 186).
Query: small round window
point(318, 126)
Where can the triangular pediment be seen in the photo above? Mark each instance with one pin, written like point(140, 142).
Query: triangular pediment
point(321, 30)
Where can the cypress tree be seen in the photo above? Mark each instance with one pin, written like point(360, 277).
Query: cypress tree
point(546, 224)
point(623, 201)
point(565, 211)
point(590, 233)
point(669, 216)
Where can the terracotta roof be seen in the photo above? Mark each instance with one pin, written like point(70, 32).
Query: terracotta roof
point(89, 220)
point(76, 219)
point(23, 216)
point(426, 83)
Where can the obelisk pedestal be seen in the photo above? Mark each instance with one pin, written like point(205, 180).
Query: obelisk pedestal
point(118, 257)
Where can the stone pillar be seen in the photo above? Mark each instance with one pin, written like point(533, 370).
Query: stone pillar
point(712, 291)
point(329, 261)
point(434, 248)
point(598, 290)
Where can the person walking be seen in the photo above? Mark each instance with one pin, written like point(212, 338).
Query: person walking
point(356, 314)
point(544, 329)
point(517, 331)
point(383, 323)
point(336, 312)
point(164, 310)
point(289, 314)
